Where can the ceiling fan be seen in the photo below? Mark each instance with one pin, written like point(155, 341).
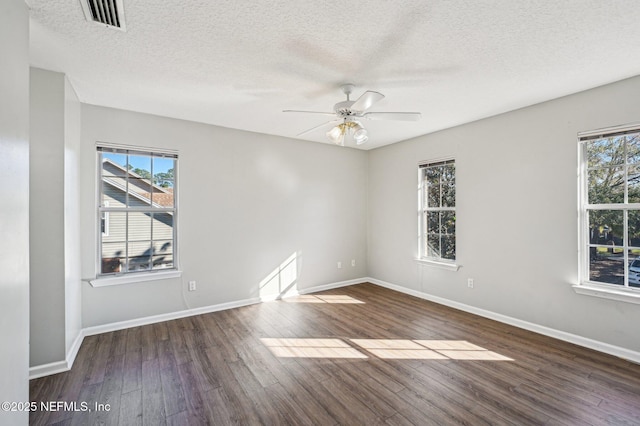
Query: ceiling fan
point(348, 113)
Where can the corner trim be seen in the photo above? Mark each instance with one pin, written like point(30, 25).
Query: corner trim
point(617, 351)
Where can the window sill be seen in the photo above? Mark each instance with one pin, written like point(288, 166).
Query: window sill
point(606, 292)
point(442, 265)
point(134, 278)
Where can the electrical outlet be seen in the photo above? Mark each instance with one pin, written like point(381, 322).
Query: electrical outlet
point(353, 262)
point(470, 282)
point(339, 265)
point(192, 286)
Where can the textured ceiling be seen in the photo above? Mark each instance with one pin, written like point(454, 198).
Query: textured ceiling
point(238, 64)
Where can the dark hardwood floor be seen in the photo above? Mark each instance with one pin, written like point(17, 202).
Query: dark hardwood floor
point(355, 355)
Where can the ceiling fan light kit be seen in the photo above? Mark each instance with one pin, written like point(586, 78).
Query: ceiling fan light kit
point(347, 112)
point(348, 126)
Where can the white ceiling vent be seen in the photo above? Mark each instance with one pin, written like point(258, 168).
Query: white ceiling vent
point(105, 12)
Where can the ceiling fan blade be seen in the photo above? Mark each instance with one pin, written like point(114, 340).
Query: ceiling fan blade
point(366, 100)
point(317, 127)
point(310, 112)
point(398, 116)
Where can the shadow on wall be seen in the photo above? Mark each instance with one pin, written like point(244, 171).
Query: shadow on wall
point(283, 279)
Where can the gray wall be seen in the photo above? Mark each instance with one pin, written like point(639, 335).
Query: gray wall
point(14, 208)
point(516, 214)
point(247, 203)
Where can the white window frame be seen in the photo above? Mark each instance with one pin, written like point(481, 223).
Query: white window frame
point(103, 210)
point(423, 208)
point(585, 286)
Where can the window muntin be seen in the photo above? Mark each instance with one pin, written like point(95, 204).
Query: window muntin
point(137, 193)
point(610, 208)
point(437, 184)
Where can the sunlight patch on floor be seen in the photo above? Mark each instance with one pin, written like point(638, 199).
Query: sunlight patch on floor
point(311, 348)
point(327, 298)
point(428, 349)
point(380, 348)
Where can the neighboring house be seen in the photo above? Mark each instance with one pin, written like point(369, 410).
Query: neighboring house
point(142, 240)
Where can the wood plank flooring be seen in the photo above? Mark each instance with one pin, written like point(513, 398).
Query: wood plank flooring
point(324, 359)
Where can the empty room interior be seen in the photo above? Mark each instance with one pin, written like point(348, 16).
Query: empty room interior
point(411, 212)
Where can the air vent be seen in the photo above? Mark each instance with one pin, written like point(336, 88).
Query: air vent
point(105, 12)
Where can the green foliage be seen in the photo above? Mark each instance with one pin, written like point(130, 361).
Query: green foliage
point(145, 174)
point(613, 167)
point(164, 180)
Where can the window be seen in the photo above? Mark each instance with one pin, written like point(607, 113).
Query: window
point(610, 207)
point(437, 185)
point(136, 211)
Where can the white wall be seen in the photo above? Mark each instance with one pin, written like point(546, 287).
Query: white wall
point(47, 248)
point(247, 203)
point(516, 214)
point(14, 208)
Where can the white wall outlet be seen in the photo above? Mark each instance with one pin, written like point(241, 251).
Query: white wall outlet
point(470, 282)
point(192, 286)
point(339, 265)
point(353, 262)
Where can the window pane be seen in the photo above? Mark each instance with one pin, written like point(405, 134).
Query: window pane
point(605, 152)
point(432, 177)
point(163, 169)
point(448, 223)
point(162, 226)
point(633, 148)
point(162, 197)
point(139, 192)
point(433, 222)
point(633, 183)
point(114, 164)
point(606, 185)
point(163, 261)
point(162, 247)
point(448, 186)
point(606, 227)
point(117, 229)
point(112, 193)
point(633, 222)
point(139, 255)
point(433, 245)
point(139, 226)
point(139, 180)
point(113, 257)
point(606, 268)
point(448, 247)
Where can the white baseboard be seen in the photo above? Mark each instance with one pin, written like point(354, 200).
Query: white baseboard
point(62, 366)
point(331, 286)
point(121, 325)
point(48, 369)
point(618, 351)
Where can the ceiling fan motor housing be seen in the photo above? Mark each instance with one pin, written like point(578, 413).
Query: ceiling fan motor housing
point(343, 109)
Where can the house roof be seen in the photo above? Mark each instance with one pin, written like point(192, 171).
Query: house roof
point(159, 197)
point(239, 64)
